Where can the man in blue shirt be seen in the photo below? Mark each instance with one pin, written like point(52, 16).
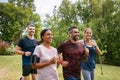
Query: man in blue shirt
point(26, 48)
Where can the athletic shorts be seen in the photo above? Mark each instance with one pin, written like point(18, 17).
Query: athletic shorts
point(27, 69)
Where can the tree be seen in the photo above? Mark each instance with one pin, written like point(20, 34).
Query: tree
point(14, 19)
point(102, 16)
point(62, 19)
point(110, 30)
point(23, 3)
point(38, 26)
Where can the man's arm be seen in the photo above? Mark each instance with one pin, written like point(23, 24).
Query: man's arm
point(40, 65)
point(60, 60)
point(86, 54)
point(19, 51)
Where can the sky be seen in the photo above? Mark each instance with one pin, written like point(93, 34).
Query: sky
point(3, 0)
point(44, 7)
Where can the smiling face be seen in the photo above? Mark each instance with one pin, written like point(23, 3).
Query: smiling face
point(48, 36)
point(31, 30)
point(74, 34)
point(88, 33)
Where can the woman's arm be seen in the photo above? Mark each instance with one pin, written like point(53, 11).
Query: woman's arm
point(44, 64)
point(97, 48)
point(98, 51)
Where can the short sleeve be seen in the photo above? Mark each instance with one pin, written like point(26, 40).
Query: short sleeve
point(83, 48)
point(20, 43)
point(37, 51)
point(56, 53)
point(60, 48)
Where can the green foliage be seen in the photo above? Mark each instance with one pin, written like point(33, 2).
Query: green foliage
point(102, 16)
point(60, 35)
point(36, 20)
point(62, 19)
point(23, 3)
point(108, 29)
point(12, 20)
point(10, 50)
point(6, 48)
point(15, 17)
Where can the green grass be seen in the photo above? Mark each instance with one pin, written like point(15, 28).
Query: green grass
point(10, 69)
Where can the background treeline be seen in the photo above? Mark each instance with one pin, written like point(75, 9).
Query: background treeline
point(15, 16)
point(103, 16)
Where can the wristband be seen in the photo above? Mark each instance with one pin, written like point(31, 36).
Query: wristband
point(24, 53)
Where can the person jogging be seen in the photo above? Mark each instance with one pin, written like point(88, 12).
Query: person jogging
point(25, 48)
point(89, 65)
point(72, 52)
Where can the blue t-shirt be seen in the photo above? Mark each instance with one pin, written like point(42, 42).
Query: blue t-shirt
point(27, 44)
point(90, 63)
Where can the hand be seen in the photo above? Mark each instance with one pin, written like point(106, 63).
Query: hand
point(65, 63)
point(93, 43)
point(53, 60)
point(33, 66)
point(27, 53)
point(60, 56)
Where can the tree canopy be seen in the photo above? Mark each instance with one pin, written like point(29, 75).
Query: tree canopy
point(15, 16)
point(101, 15)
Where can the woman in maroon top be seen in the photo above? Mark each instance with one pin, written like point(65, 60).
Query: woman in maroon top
point(72, 53)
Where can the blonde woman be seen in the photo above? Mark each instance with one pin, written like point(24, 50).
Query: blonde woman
point(89, 65)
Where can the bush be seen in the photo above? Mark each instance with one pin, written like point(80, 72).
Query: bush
point(6, 48)
point(10, 50)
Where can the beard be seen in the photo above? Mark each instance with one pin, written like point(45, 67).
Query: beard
point(76, 38)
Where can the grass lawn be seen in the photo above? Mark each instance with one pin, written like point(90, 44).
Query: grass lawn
point(10, 69)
